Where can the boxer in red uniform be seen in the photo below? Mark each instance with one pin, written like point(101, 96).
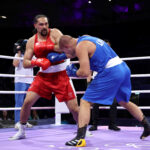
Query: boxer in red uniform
point(52, 77)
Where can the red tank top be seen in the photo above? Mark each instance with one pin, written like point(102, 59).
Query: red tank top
point(43, 53)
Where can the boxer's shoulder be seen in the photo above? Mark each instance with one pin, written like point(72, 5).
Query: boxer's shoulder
point(32, 39)
point(30, 42)
point(56, 32)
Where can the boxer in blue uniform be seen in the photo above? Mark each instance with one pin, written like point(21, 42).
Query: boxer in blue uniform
point(112, 80)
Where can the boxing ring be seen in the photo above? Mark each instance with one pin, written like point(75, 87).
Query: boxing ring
point(54, 136)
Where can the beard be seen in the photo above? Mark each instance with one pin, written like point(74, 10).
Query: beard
point(44, 32)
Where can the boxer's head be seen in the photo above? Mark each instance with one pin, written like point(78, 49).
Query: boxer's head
point(68, 44)
point(20, 45)
point(41, 24)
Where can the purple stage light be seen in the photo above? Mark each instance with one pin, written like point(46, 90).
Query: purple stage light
point(120, 9)
point(78, 15)
point(137, 7)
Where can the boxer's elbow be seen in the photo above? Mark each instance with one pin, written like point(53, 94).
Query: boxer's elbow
point(83, 73)
point(26, 63)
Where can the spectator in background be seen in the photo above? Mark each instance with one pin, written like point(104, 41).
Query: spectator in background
point(21, 83)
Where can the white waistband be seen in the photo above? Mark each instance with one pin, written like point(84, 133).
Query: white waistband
point(56, 68)
point(113, 62)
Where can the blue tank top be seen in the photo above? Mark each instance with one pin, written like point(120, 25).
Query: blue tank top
point(101, 55)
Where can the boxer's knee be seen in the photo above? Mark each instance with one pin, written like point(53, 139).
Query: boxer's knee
point(27, 105)
point(73, 105)
point(30, 99)
point(85, 103)
point(74, 108)
point(125, 104)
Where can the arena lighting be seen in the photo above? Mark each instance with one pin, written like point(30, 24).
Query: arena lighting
point(3, 17)
point(89, 2)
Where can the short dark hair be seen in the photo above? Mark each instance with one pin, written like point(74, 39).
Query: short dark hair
point(64, 41)
point(35, 20)
point(106, 40)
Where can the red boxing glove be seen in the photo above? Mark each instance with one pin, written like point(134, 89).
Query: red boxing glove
point(41, 62)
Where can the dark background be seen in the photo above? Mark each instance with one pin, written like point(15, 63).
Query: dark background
point(125, 23)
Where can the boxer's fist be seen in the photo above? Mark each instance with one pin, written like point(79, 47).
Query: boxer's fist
point(54, 57)
point(71, 70)
point(41, 62)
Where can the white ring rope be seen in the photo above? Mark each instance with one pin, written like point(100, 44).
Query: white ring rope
point(17, 75)
point(136, 58)
point(140, 75)
point(33, 108)
point(134, 91)
point(77, 92)
point(29, 76)
point(127, 58)
point(10, 57)
point(13, 92)
point(45, 108)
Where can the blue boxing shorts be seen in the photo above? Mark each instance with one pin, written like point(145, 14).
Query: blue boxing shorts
point(112, 83)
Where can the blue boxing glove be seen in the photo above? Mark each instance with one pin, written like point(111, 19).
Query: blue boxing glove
point(71, 70)
point(54, 57)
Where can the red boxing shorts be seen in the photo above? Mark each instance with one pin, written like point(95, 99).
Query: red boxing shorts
point(58, 83)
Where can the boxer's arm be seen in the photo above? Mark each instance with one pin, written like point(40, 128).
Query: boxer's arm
point(83, 56)
point(56, 34)
point(16, 61)
point(28, 53)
